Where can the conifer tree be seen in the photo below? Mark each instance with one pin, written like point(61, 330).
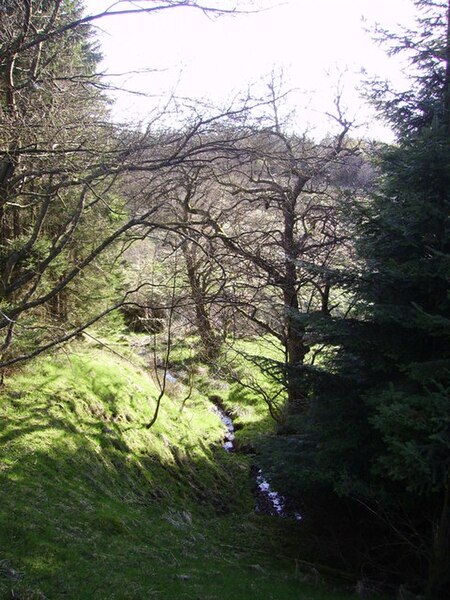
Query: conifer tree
point(379, 427)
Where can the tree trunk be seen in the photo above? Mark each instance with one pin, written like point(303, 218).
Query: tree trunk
point(296, 350)
point(294, 331)
point(210, 342)
point(439, 564)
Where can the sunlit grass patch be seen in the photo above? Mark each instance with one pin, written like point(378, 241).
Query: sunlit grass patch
point(256, 396)
point(93, 504)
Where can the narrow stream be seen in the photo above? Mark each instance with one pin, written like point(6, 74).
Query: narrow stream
point(268, 501)
point(228, 440)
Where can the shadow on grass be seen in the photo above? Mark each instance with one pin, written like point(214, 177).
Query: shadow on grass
point(93, 507)
point(82, 516)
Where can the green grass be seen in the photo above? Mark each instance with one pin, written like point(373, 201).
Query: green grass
point(95, 505)
point(251, 389)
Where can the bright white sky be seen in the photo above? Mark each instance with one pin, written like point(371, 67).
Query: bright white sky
point(311, 41)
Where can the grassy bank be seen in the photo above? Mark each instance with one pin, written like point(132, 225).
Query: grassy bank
point(93, 504)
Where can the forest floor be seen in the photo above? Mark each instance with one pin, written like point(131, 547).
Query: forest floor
point(96, 505)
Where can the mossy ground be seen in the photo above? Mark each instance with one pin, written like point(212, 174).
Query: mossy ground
point(93, 504)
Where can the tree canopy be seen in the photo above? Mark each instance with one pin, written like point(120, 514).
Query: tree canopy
point(336, 248)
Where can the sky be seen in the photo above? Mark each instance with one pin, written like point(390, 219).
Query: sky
point(315, 46)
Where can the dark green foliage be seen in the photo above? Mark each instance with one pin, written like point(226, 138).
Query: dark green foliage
point(426, 102)
point(377, 432)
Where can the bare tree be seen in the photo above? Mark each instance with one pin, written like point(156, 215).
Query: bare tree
point(62, 165)
point(278, 215)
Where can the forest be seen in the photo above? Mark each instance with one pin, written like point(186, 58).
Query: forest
point(220, 269)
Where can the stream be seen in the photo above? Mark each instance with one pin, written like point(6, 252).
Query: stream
point(268, 501)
